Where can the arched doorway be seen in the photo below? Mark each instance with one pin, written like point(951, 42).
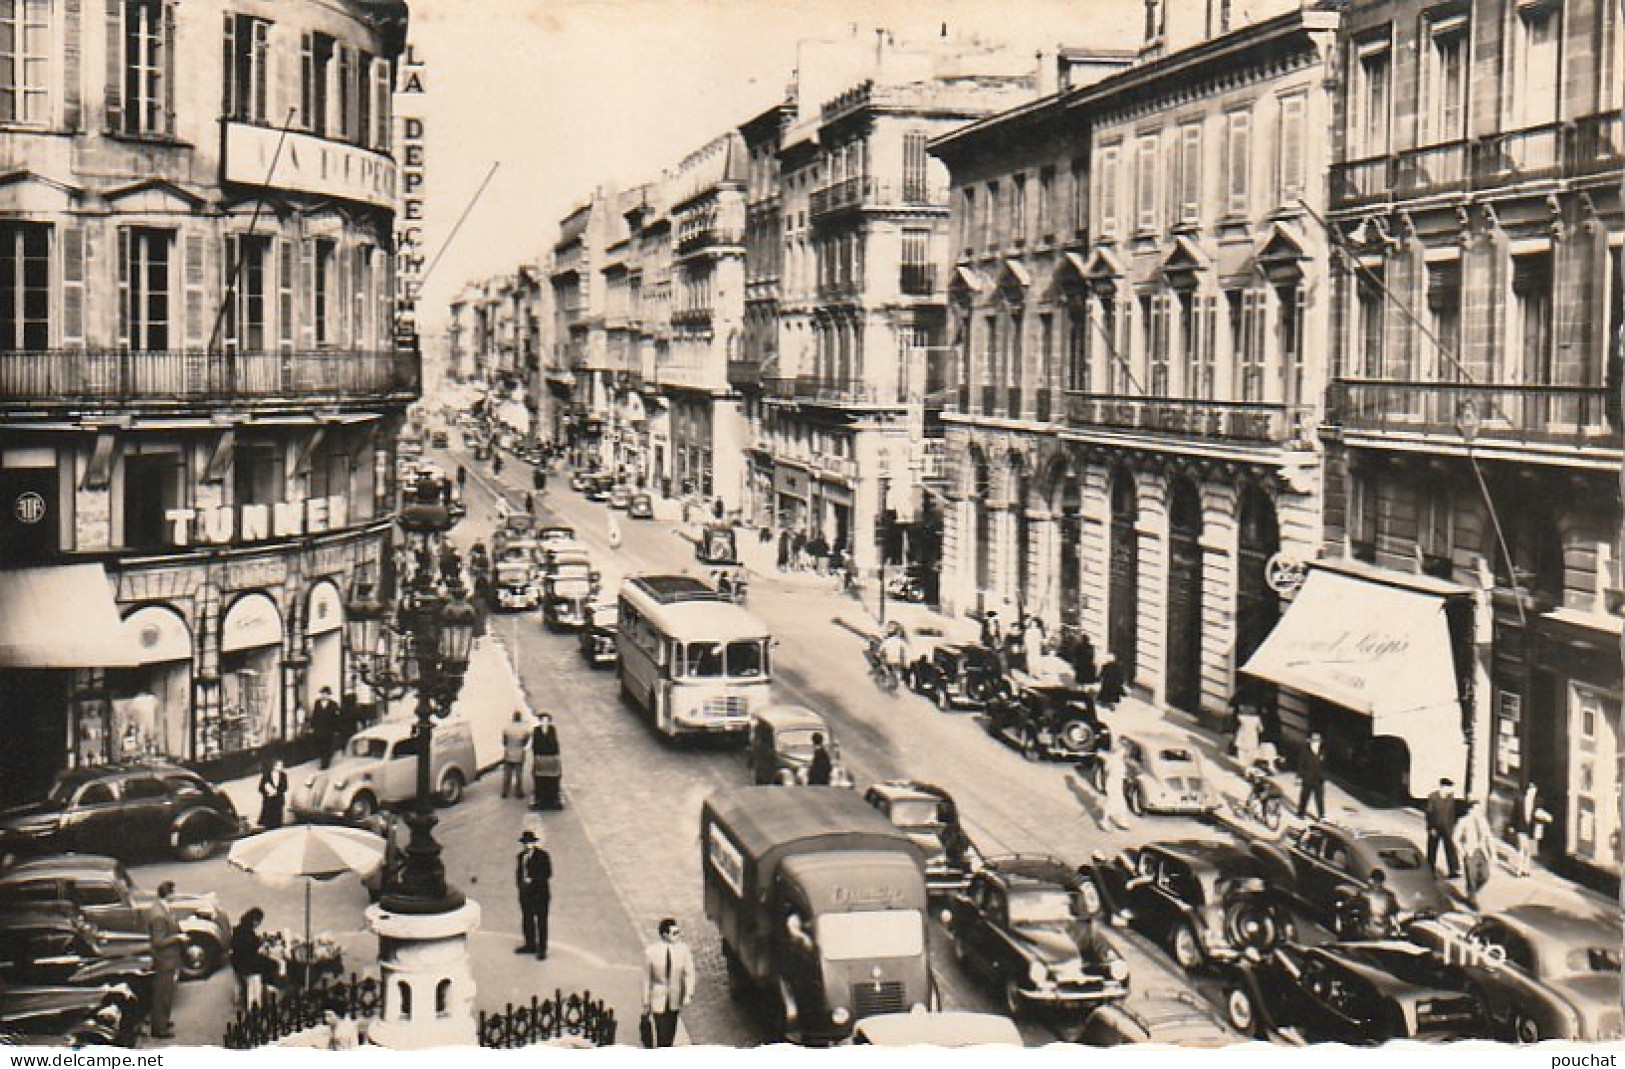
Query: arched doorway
point(1067, 506)
point(250, 679)
point(1122, 625)
point(324, 626)
point(1258, 606)
point(1184, 596)
point(152, 702)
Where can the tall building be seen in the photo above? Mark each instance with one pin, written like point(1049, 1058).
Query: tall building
point(578, 341)
point(199, 393)
point(1139, 306)
point(1473, 446)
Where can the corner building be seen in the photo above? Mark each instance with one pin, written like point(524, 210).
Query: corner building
point(199, 393)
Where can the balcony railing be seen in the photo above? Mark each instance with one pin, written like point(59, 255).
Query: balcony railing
point(1596, 144)
point(78, 375)
point(1519, 155)
point(831, 391)
point(1255, 422)
point(745, 373)
point(1565, 415)
point(1363, 180)
point(918, 280)
point(701, 237)
point(1434, 169)
point(866, 191)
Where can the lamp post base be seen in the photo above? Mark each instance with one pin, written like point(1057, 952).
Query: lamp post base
point(428, 982)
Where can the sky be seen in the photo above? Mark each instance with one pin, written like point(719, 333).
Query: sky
point(563, 95)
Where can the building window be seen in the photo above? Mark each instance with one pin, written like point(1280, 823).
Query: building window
point(1046, 207)
point(1156, 313)
point(1444, 80)
point(1250, 357)
point(25, 286)
point(1046, 350)
point(1080, 196)
point(315, 75)
point(1078, 328)
point(917, 275)
point(361, 336)
point(916, 188)
point(1238, 149)
point(325, 292)
point(990, 217)
point(1368, 322)
point(1013, 368)
point(142, 103)
point(1532, 331)
point(1289, 336)
point(383, 91)
point(145, 260)
point(1434, 536)
point(1368, 118)
point(1145, 183)
point(245, 284)
point(1189, 179)
point(258, 473)
point(1363, 493)
point(1109, 157)
point(967, 219)
point(1290, 177)
point(154, 483)
point(25, 61)
point(1018, 209)
point(1537, 45)
point(246, 68)
point(1444, 317)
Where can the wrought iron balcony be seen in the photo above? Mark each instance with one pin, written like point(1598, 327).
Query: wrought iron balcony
point(75, 376)
point(822, 391)
point(1519, 155)
point(1434, 169)
point(1556, 415)
point(866, 191)
point(1250, 422)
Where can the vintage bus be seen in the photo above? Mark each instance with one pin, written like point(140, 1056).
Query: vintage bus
point(697, 664)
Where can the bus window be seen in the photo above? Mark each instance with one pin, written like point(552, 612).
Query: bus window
point(746, 659)
point(701, 660)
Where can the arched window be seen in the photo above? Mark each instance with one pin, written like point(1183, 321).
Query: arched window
point(404, 990)
point(442, 999)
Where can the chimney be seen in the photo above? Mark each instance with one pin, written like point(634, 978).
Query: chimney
point(1046, 74)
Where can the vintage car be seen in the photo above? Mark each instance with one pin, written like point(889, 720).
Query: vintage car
point(955, 674)
point(1541, 972)
point(132, 810)
point(1018, 924)
point(1058, 723)
point(566, 595)
point(439, 439)
point(56, 946)
point(555, 533)
point(598, 489)
point(1164, 774)
point(1205, 901)
point(379, 768)
point(620, 496)
point(938, 1028)
point(69, 1015)
point(582, 481)
point(641, 506)
point(717, 544)
point(928, 816)
point(1170, 1017)
point(1323, 866)
point(103, 892)
point(1359, 993)
point(597, 635)
point(780, 746)
point(521, 549)
point(559, 552)
point(518, 585)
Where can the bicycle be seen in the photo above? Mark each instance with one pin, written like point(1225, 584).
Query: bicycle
point(884, 674)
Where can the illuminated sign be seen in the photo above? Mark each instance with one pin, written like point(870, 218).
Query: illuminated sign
point(254, 523)
point(308, 164)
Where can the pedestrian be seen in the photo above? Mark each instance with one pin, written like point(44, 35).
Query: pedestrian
point(614, 532)
point(533, 875)
point(784, 550)
point(546, 764)
point(668, 984)
point(462, 478)
point(1529, 821)
point(1084, 669)
point(821, 769)
point(1476, 843)
point(718, 509)
point(496, 463)
point(538, 478)
point(530, 503)
point(168, 953)
point(992, 634)
point(1312, 777)
point(1377, 908)
point(273, 793)
point(1112, 684)
point(1114, 800)
point(250, 964)
point(324, 724)
point(515, 740)
point(1442, 814)
point(1249, 729)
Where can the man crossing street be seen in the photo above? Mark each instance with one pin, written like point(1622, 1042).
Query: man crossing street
point(1442, 814)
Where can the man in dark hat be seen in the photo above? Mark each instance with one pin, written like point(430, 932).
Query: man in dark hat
point(325, 724)
point(533, 874)
point(1442, 814)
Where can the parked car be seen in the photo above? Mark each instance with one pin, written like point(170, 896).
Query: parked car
point(928, 816)
point(69, 1016)
point(57, 946)
point(620, 496)
point(1205, 901)
point(641, 506)
point(1323, 866)
point(379, 768)
point(582, 481)
point(1172, 1018)
point(780, 746)
point(598, 634)
point(1541, 972)
point(518, 585)
point(104, 893)
point(1018, 924)
point(955, 674)
point(938, 1028)
point(1358, 993)
point(1058, 723)
point(1164, 775)
point(525, 549)
point(132, 810)
point(717, 545)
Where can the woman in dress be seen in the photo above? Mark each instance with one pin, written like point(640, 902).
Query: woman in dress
point(1115, 802)
point(273, 793)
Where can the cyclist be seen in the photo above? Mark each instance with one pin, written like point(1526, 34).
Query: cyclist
point(894, 652)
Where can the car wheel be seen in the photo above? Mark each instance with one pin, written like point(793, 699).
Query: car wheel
point(1187, 948)
point(193, 841)
point(1524, 1029)
point(1136, 801)
point(201, 957)
point(1078, 736)
point(361, 807)
point(451, 787)
point(1012, 998)
point(1240, 1013)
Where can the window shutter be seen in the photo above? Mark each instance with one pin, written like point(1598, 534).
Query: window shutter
point(228, 66)
point(307, 80)
point(72, 105)
point(166, 64)
point(123, 287)
point(284, 305)
point(73, 286)
point(192, 254)
point(113, 90)
point(230, 250)
point(1209, 346)
point(261, 107)
point(307, 296)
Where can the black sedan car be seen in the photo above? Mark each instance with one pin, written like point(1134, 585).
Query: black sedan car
point(928, 816)
point(1325, 868)
point(597, 634)
point(1357, 993)
point(1019, 923)
point(955, 674)
point(60, 976)
point(129, 810)
point(1058, 723)
point(1205, 901)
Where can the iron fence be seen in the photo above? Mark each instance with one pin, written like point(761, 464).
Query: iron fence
point(574, 1016)
point(282, 1014)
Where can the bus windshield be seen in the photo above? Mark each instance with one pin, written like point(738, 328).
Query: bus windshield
point(887, 933)
point(710, 660)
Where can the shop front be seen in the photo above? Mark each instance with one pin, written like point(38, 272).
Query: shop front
point(151, 703)
point(250, 712)
point(790, 487)
point(324, 632)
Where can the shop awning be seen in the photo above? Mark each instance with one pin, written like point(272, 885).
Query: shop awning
point(62, 617)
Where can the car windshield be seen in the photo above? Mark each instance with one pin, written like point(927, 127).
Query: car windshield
point(1400, 858)
point(61, 792)
point(605, 616)
point(572, 587)
point(747, 659)
point(363, 746)
point(1040, 909)
point(796, 741)
point(515, 573)
point(1173, 755)
point(1593, 959)
point(890, 933)
point(915, 813)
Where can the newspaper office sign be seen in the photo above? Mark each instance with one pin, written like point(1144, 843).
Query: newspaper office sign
point(409, 246)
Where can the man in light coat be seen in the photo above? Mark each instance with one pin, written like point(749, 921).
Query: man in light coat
point(168, 955)
point(668, 981)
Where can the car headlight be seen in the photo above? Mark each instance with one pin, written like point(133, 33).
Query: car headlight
point(840, 1015)
point(1118, 969)
point(341, 783)
point(310, 780)
point(1038, 972)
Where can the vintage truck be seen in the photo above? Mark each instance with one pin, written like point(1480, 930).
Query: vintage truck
point(821, 904)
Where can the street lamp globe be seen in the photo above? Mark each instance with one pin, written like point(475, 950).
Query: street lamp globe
point(458, 620)
point(364, 621)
